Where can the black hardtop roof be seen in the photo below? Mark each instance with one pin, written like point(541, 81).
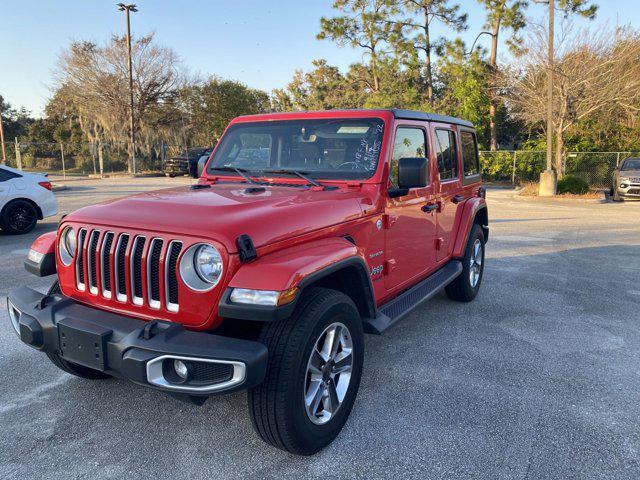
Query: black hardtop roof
point(429, 117)
point(396, 112)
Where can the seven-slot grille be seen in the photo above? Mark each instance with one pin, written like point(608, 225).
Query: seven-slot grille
point(118, 258)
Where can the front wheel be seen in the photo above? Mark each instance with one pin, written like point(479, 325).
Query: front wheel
point(466, 286)
point(313, 374)
point(616, 196)
point(72, 368)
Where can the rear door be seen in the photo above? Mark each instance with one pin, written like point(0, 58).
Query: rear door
point(449, 187)
point(410, 232)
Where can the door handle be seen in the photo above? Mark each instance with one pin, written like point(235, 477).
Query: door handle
point(430, 207)
point(458, 198)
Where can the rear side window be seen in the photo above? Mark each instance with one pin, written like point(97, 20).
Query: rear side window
point(409, 143)
point(446, 154)
point(7, 175)
point(470, 160)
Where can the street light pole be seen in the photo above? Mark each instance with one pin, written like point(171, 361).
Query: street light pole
point(130, 8)
point(549, 178)
point(550, 61)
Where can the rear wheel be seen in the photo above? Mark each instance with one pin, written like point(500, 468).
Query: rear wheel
point(466, 286)
point(19, 216)
point(313, 374)
point(72, 368)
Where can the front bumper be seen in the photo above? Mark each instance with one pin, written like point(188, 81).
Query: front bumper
point(49, 207)
point(631, 191)
point(140, 351)
point(176, 169)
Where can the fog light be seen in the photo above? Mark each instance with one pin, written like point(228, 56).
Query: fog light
point(182, 369)
point(623, 185)
point(14, 316)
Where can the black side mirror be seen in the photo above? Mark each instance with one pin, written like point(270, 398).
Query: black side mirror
point(412, 173)
point(201, 164)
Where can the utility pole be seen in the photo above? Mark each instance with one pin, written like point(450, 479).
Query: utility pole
point(130, 8)
point(548, 178)
point(550, 61)
point(4, 153)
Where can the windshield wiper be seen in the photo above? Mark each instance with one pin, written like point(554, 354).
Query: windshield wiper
point(240, 171)
point(299, 174)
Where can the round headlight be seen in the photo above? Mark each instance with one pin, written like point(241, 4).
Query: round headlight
point(67, 245)
point(208, 263)
point(201, 267)
point(70, 241)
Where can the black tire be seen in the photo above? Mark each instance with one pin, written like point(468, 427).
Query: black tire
point(18, 217)
point(616, 196)
point(277, 407)
point(462, 289)
point(72, 368)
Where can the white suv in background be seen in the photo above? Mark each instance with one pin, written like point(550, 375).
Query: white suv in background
point(25, 198)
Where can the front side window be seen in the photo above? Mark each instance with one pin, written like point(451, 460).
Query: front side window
point(470, 161)
point(345, 149)
point(409, 143)
point(446, 154)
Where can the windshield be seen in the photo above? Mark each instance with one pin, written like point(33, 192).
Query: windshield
point(631, 164)
point(346, 149)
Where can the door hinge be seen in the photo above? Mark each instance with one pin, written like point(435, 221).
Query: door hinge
point(389, 266)
point(439, 242)
point(388, 220)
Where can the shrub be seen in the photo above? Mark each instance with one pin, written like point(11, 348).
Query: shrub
point(529, 189)
point(574, 185)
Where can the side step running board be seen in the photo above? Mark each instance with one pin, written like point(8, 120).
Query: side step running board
point(393, 311)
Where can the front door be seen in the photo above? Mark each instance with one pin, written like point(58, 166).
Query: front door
point(449, 186)
point(410, 231)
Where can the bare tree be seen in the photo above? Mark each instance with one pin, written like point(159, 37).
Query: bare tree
point(95, 80)
point(596, 72)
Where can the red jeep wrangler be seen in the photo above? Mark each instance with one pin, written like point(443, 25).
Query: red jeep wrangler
point(304, 231)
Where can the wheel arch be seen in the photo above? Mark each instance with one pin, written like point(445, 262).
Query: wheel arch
point(332, 263)
point(482, 218)
point(26, 199)
point(475, 212)
point(351, 277)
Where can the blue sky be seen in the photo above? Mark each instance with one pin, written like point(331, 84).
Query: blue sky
point(259, 42)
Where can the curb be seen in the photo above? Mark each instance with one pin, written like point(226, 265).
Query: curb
point(58, 187)
point(126, 175)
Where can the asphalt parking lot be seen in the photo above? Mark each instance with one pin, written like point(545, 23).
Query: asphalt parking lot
point(538, 378)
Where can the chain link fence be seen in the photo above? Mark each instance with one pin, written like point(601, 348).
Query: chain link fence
point(508, 166)
point(87, 158)
point(521, 166)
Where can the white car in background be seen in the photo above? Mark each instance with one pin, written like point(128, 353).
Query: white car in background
point(25, 198)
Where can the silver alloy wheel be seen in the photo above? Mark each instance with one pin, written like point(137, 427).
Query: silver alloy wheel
point(475, 267)
point(328, 373)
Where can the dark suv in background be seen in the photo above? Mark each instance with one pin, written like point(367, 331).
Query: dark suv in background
point(186, 164)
